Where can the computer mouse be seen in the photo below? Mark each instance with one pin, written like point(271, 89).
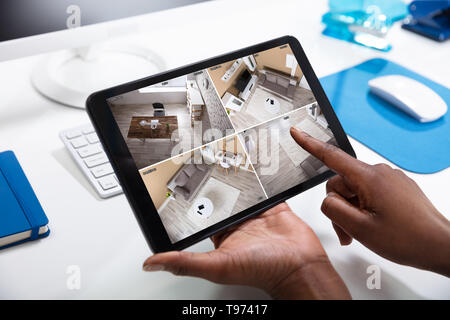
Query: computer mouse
point(410, 96)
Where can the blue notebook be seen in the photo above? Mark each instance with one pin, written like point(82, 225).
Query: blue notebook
point(21, 215)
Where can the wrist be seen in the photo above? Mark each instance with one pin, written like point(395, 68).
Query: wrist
point(314, 280)
point(440, 260)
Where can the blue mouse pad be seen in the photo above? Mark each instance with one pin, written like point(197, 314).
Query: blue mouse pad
point(411, 145)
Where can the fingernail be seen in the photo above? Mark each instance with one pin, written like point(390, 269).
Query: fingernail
point(343, 243)
point(300, 131)
point(153, 267)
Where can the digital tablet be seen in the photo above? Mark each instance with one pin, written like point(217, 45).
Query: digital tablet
point(206, 146)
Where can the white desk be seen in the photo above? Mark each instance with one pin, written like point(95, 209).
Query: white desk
point(102, 236)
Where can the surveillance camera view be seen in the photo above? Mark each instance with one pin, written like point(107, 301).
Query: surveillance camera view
point(215, 142)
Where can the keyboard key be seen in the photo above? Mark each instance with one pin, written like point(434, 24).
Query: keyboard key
point(88, 130)
point(73, 134)
point(102, 170)
point(79, 142)
point(108, 182)
point(92, 138)
point(89, 155)
point(96, 160)
point(90, 150)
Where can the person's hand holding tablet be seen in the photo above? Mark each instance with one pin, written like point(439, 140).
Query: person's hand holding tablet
point(277, 252)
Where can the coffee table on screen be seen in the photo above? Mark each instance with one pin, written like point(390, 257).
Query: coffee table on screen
point(203, 207)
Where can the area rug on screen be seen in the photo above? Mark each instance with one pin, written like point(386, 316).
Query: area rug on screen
point(223, 197)
point(256, 106)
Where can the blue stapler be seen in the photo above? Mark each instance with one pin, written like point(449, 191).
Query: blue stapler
point(430, 18)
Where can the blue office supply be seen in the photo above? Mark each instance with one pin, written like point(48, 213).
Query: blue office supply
point(430, 18)
point(21, 215)
point(364, 22)
point(364, 28)
point(413, 146)
point(393, 9)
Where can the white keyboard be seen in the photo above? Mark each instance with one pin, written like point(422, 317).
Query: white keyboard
point(87, 151)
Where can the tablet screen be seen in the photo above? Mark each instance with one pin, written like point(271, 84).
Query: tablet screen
point(215, 142)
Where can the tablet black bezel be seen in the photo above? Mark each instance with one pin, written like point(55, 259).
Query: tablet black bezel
point(128, 174)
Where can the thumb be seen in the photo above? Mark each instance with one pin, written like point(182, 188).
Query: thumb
point(345, 215)
point(344, 238)
point(204, 265)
